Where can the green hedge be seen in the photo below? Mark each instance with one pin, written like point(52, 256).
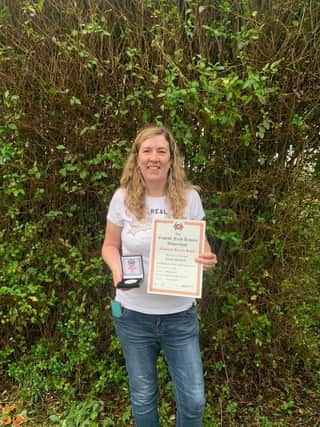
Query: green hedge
point(237, 83)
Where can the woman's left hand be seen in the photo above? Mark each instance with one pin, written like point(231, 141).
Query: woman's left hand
point(208, 260)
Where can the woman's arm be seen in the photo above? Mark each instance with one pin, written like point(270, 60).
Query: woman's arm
point(111, 250)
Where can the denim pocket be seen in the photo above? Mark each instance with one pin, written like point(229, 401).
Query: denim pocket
point(124, 314)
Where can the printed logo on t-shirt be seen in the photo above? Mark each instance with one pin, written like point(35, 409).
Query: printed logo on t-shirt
point(158, 211)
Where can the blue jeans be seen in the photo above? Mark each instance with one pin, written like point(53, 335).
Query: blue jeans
point(142, 336)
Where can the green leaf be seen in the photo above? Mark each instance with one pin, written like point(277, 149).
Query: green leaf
point(75, 101)
point(12, 126)
point(53, 91)
point(83, 174)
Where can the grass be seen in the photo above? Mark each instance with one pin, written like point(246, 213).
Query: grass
point(273, 409)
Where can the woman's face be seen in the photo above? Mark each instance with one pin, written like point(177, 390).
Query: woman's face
point(154, 160)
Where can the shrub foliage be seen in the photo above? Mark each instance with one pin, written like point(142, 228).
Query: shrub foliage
point(237, 82)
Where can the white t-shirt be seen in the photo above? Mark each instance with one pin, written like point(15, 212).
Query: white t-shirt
point(136, 240)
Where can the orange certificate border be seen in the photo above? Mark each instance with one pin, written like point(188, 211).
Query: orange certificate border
point(152, 289)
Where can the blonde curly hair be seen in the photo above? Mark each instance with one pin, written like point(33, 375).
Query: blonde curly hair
point(133, 181)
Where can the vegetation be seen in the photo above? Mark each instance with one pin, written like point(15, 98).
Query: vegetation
point(238, 83)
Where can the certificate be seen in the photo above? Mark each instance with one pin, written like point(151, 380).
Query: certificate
point(174, 246)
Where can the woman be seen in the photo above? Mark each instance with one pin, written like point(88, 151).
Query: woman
point(154, 184)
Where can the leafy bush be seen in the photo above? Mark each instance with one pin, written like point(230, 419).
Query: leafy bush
point(77, 80)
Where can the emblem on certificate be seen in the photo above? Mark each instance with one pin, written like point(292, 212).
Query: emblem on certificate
point(132, 271)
